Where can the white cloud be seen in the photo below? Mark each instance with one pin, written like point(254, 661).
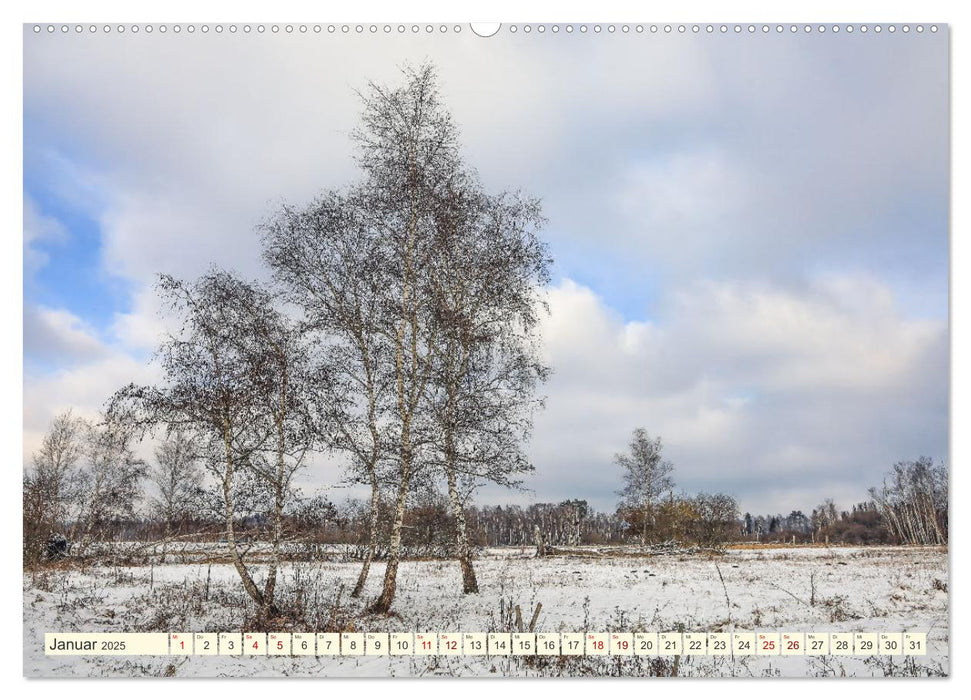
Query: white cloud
point(58, 336)
point(780, 399)
point(38, 228)
point(750, 387)
point(143, 327)
point(83, 387)
point(696, 194)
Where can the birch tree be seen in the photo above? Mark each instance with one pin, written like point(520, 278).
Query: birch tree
point(109, 482)
point(407, 148)
point(914, 501)
point(233, 382)
point(329, 259)
point(51, 484)
point(647, 476)
point(490, 269)
point(423, 292)
point(460, 307)
point(177, 478)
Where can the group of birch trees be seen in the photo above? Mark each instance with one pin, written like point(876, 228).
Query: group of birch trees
point(913, 501)
point(399, 332)
point(84, 476)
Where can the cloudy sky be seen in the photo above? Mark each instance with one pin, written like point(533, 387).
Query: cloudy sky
point(750, 231)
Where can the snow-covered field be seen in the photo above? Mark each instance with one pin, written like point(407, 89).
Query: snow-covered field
point(798, 589)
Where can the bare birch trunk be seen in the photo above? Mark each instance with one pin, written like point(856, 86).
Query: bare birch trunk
point(407, 400)
point(371, 469)
point(280, 493)
point(372, 538)
point(463, 548)
point(270, 588)
point(644, 528)
point(383, 603)
point(248, 584)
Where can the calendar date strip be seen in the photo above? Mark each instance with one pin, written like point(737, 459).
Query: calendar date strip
point(486, 644)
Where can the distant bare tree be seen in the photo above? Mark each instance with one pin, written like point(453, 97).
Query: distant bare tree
point(714, 518)
point(178, 478)
point(823, 517)
point(647, 476)
point(51, 484)
point(109, 484)
point(85, 478)
point(578, 511)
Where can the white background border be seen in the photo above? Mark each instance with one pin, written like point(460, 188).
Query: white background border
point(509, 11)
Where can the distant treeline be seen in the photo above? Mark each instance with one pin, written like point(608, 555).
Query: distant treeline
point(910, 507)
point(861, 524)
point(901, 512)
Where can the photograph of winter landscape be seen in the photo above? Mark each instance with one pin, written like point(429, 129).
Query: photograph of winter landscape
point(378, 330)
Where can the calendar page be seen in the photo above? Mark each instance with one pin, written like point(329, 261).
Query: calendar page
point(512, 350)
